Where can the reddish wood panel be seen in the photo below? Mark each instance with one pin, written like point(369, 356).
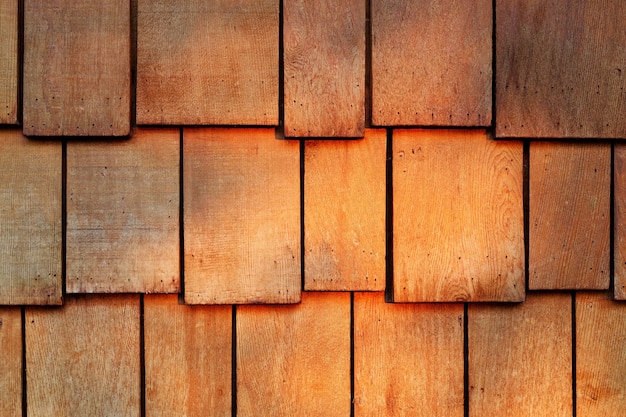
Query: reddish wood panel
point(30, 220)
point(202, 62)
point(123, 214)
point(77, 68)
point(11, 363)
point(324, 75)
point(408, 358)
point(458, 228)
point(560, 69)
point(344, 214)
point(241, 217)
point(569, 214)
point(9, 73)
point(619, 202)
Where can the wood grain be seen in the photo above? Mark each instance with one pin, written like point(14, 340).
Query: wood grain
point(520, 357)
point(569, 214)
point(241, 217)
point(188, 358)
point(123, 214)
point(211, 62)
point(560, 69)
point(324, 75)
point(77, 68)
point(9, 72)
point(11, 363)
point(408, 358)
point(458, 217)
point(30, 220)
point(344, 214)
point(619, 202)
point(90, 347)
point(295, 360)
point(431, 63)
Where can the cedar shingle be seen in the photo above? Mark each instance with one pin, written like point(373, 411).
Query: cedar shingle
point(11, 363)
point(9, 61)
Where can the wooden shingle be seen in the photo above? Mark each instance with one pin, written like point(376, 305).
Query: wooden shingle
point(619, 227)
point(11, 363)
point(9, 73)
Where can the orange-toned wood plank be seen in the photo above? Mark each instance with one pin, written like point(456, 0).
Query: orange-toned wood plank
point(123, 214)
point(77, 68)
point(344, 214)
point(620, 221)
point(30, 220)
point(408, 358)
point(569, 236)
point(9, 59)
point(324, 44)
point(188, 358)
point(431, 63)
point(11, 363)
point(520, 357)
point(202, 62)
point(83, 359)
point(295, 360)
point(560, 69)
point(458, 217)
point(600, 355)
point(241, 217)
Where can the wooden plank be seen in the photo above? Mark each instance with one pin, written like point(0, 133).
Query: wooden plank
point(30, 220)
point(560, 69)
point(324, 75)
point(600, 355)
point(295, 360)
point(408, 358)
point(344, 214)
point(569, 214)
point(431, 63)
point(619, 201)
point(188, 358)
point(9, 57)
point(123, 214)
point(77, 68)
point(11, 363)
point(242, 217)
point(90, 346)
point(458, 217)
point(202, 62)
point(520, 357)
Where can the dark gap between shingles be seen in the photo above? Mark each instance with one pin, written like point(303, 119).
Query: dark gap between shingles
point(352, 376)
point(573, 353)
point(142, 358)
point(368, 63)
point(233, 381)
point(133, 63)
point(302, 231)
point(181, 222)
point(466, 389)
point(526, 210)
point(281, 73)
point(24, 381)
point(389, 270)
point(612, 223)
point(63, 219)
point(493, 68)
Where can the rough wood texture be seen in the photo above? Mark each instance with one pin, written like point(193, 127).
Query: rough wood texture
point(408, 358)
point(619, 201)
point(9, 61)
point(324, 44)
point(458, 217)
point(11, 363)
point(241, 217)
point(569, 236)
point(295, 360)
point(188, 358)
point(600, 356)
point(77, 68)
point(560, 69)
point(123, 214)
point(431, 62)
point(344, 214)
point(83, 359)
point(520, 357)
point(30, 220)
point(202, 62)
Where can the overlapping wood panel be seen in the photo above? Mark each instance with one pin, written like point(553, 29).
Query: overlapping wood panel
point(9, 74)
point(569, 215)
point(202, 62)
point(619, 202)
point(458, 217)
point(123, 214)
point(344, 214)
point(11, 363)
point(77, 68)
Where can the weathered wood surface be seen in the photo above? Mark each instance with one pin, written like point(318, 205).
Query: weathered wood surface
point(9, 73)
point(560, 69)
point(619, 202)
point(295, 360)
point(241, 217)
point(123, 214)
point(77, 68)
point(11, 363)
point(324, 75)
point(188, 358)
point(202, 62)
point(458, 217)
point(30, 220)
point(344, 214)
point(83, 359)
point(408, 358)
point(520, 357)
point(569, 214)
point(431, 63)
